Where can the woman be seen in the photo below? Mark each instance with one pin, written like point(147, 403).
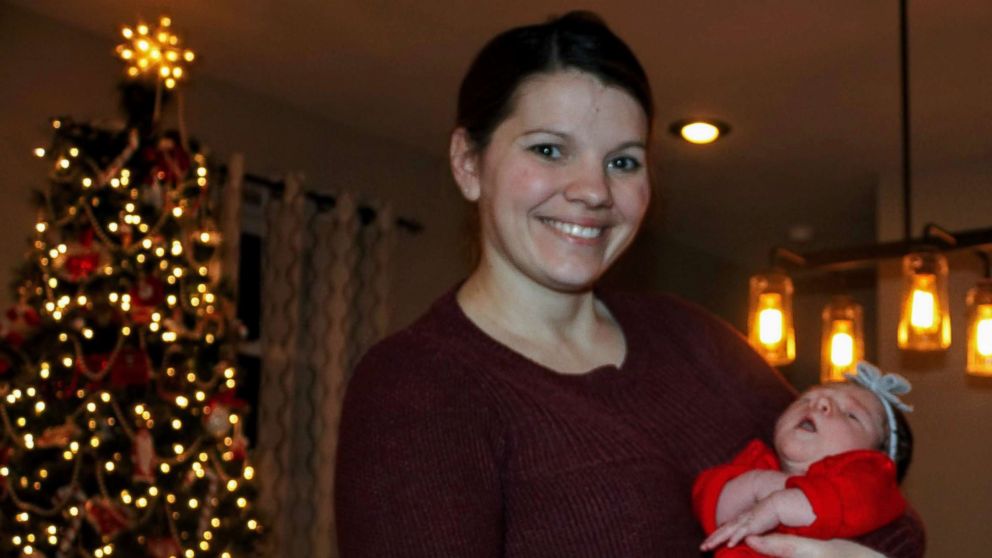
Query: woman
point(528, 414)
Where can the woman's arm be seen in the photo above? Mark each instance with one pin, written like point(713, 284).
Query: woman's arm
point(417, 472)
point(791, 546)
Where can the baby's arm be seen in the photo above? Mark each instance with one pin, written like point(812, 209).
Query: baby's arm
point(787, 506)
point(741, 493)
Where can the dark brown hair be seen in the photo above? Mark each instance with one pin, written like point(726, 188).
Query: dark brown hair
point(577, 40)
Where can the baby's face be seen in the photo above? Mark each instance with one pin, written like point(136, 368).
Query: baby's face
point(828, 420)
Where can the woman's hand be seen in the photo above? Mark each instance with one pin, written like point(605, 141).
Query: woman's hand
point(791, 546)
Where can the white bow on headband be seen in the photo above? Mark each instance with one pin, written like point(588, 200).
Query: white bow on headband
point(888, 388)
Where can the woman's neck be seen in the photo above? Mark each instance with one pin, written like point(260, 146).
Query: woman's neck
point(570, 332)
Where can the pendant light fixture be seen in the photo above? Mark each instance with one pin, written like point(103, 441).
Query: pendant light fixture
point(925, 322)
point(980, 323)
point(770, 326)
point(843, 342)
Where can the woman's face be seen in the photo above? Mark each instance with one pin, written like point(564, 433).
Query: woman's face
point(562, 186)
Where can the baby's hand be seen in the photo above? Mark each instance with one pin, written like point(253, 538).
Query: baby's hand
point(789, 507)
point(761, 518)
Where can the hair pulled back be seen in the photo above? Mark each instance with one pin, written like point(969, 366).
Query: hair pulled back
point(578, 40)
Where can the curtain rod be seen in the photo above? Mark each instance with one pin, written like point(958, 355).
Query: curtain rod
point(326, 201)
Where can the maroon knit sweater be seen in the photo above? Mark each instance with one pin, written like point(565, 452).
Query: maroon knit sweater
point(452, 444)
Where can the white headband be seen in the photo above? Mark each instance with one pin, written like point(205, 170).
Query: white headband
point(888, 388)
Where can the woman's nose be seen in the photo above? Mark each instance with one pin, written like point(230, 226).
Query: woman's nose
point(591, 187)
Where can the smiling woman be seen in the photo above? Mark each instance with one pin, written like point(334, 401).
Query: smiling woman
point(529, 413)
point(561, 188)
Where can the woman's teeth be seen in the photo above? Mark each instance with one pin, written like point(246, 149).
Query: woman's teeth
point(572, 229)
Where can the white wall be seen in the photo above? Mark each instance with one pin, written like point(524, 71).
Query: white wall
point(950, 481)
point(52, 70)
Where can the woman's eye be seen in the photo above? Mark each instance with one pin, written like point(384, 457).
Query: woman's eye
point(625, 164)
point(547, 150)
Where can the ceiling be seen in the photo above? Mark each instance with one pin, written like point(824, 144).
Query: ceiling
point(811, 89)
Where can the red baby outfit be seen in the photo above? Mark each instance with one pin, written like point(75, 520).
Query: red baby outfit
point(852, 493)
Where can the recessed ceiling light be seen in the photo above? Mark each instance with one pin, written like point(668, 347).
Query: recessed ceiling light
point(699, 131)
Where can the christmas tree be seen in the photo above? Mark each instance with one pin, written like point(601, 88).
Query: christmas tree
point(122, 425)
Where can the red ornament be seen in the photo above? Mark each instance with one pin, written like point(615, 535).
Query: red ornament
point(217, 411)
point(81, 259)
point(226, 397)
point(106, 517)
point(146, 295)
point(143, 458)
point(239, 444)
point(81, 266)
point(58, 436)
point(163, 547)
point(18, 323)
point(169, 160)
point(130, 368)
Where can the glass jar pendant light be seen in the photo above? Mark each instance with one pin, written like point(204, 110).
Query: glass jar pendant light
point(925, 323)
point(843, 343)
point(980, 329)
point(770, 326)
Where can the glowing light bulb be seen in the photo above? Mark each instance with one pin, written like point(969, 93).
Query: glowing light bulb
point(923, 313)
point(700, 132)
point(770, 319)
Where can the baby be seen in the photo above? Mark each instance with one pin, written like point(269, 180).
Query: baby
point(840, 451)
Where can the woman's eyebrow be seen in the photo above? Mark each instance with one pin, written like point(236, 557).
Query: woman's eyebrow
point(563, 135)
point(633, 143)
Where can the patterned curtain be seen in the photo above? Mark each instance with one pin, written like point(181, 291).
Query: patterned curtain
point(324, 303)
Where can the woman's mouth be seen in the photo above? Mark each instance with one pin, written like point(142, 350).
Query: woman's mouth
point(574, 230)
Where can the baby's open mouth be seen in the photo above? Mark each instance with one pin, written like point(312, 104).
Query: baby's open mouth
point(807, 425)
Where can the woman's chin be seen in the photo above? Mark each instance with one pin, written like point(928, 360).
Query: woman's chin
point(573, 282)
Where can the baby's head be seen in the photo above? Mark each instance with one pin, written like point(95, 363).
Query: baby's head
point(834, 418)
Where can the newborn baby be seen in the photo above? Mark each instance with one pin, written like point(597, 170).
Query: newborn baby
point(840, 450)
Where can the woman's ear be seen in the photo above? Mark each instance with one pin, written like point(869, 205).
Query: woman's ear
point(464, 164)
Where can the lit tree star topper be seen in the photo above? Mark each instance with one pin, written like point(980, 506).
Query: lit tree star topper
point(157, 52)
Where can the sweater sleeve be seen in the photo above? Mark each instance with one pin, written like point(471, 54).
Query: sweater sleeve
point(851, 494)
point(903, 538)
point(710, 483)
point(417, 471)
